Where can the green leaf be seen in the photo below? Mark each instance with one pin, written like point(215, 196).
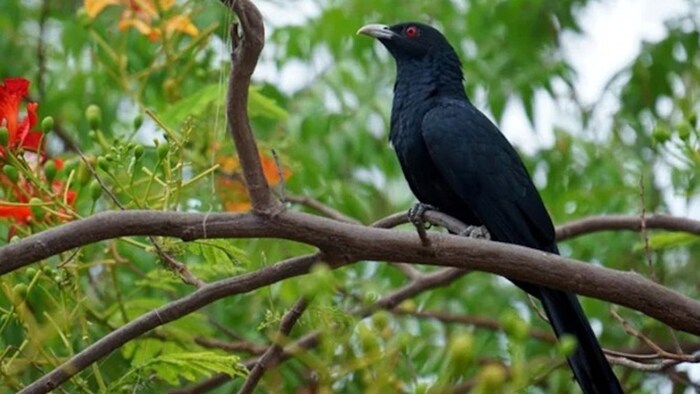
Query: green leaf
point(670, 240)
point(193, 366)
point(198, 102)
point(261, 105)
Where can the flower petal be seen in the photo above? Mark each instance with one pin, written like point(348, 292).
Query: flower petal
point(12, 91)
point(181, 23)
point(19, 213)
point(94, 7)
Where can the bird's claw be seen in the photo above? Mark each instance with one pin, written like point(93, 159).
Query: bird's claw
point(477, 232)
point(417, 212)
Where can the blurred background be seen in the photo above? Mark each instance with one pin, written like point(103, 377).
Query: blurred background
point(600, 96)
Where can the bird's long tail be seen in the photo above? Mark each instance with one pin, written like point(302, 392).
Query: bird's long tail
point(588, 362)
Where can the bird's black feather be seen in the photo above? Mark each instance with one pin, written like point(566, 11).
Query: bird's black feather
point(457, 160)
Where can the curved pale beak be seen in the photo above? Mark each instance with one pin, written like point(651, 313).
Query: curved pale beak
point(377, 31)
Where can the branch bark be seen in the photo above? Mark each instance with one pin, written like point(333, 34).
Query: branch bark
point(344, 243)
point(274, 352)
point(244, 58)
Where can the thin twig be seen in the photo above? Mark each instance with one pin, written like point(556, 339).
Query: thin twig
point(273, 353)
point(234, 347)
point(321, 208)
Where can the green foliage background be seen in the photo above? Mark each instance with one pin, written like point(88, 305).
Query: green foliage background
point(332, 134)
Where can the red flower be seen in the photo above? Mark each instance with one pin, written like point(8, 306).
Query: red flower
point(20, 134)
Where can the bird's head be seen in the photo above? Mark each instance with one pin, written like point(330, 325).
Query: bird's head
point(408, 40)
point(422, 54)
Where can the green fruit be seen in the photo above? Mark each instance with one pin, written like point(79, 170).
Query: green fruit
point(515, 326)
point(162, 150)
point(380, 320)
point(138, 151)
point(4, 135)
point(684, 129)
point(93, 114)
point(30, 273)
point(20, 291)
point(95, 190)
point(47, 124)
point(103, 163)
point(83, 17)
point(138, 121)
point(50, 170)
point(661, 134)
point(566, 345)
point(11, 172)
point(35, 206)
point(492, 377)
point(461, 349)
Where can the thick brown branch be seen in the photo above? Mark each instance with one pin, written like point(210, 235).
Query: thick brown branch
point(343, 243)
point(244, 58)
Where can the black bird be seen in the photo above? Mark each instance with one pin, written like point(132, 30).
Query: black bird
point(457, 161)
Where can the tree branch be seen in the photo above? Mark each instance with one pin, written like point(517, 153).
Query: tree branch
point(275, 351)
point(343, 243)
point(205, 295)
point(624, 222)
point(244, 58)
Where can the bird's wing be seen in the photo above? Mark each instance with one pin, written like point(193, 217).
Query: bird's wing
point(485, 171)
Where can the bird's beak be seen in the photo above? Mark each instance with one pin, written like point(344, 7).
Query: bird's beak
point(377, 31)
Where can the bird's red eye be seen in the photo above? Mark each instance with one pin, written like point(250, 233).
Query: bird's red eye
point(411, 32)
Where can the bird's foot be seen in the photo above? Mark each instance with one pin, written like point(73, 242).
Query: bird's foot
point(478, 232)
point(417, 212)
point(415, 215)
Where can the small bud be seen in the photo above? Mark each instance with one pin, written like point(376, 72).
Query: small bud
point(138, 121)
point(660, 134)
point(70, 166)
point(409, 305)
point(4, 135)
point(103, 163)
point(83, 17)
point(50, 170)
point(491, 378)
point(95, 190)
point(93, 114)
point(11, 172)
point(683, 129)
point(368, 339)
point(162, 150)
point(20, 291)
point(138, 151)
point(380, 320)
point(47, 124)
point(35, 206)
point(566, 345)
point(461, 349)
point(515, 327)
point(29, 273)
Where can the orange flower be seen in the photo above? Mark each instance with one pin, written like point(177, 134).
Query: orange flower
point(141, 15)
point(231, 187)
point(21, 214)
point(20, 134)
